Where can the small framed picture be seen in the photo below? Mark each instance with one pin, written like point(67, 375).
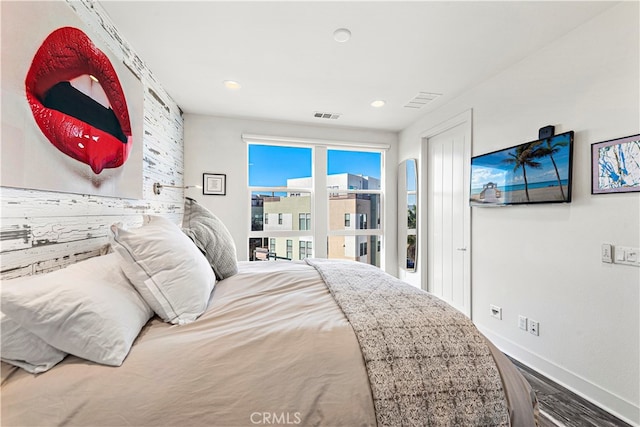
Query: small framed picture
point(615, 165)
point(214, 184)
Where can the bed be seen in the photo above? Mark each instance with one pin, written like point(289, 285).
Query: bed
point(313, 342)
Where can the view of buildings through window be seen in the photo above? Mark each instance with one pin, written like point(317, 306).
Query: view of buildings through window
point(282, 203)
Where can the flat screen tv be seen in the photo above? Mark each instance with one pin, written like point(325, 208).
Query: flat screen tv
point(534, 172)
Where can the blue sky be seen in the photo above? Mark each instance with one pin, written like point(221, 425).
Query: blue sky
point(272, 165)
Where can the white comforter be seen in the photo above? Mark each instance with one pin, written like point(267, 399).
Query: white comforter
point(273, 348)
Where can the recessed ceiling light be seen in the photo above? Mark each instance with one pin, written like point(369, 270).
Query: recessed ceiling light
point(341, 35)
point(378, 103)
point(230, 84)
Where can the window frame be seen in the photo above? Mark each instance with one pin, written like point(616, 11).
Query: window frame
point(320, 230)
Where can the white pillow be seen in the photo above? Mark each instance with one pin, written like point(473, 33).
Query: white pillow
point(25, 350)
point(166, 268)
point(88, 309)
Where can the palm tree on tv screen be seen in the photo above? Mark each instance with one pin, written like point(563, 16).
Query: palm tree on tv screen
point(550, 150)
point(524, 156)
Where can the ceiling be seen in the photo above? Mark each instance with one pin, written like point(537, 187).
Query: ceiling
point(285, 57)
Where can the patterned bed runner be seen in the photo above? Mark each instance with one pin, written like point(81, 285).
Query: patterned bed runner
point(427, 363)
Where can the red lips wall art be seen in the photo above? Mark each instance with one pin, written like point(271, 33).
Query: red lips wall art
point(93, 129)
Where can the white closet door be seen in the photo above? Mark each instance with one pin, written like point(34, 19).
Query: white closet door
point(448, 215)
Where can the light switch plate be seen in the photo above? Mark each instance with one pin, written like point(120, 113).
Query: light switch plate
point(607, 253)
point(522, 322)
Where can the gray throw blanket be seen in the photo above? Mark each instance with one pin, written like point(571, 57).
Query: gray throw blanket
point(427, 363)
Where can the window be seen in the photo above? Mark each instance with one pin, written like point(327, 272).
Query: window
point(363, 248)
point(304, 221)
point(355, 179)
point(362, 223)
point(272, 245)
point(289, 248)
point(305, 250)
point(281, 182)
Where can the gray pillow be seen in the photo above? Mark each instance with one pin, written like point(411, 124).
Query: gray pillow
point(212, 237)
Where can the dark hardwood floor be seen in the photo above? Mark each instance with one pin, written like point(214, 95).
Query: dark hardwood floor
point(561, 407)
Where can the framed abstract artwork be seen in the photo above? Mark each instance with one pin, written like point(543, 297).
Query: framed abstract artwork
point(615, 165)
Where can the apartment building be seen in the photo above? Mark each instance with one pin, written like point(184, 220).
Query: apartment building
point(348, 211)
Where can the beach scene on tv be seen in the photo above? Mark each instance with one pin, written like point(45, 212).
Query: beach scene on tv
point(534, 172)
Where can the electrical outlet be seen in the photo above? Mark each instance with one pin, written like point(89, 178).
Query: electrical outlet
point(534, 327)
point(496, 311)
point(522, 322)
point(628, 256)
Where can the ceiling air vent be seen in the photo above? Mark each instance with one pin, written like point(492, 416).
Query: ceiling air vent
point(321, 115)
point(422, 99)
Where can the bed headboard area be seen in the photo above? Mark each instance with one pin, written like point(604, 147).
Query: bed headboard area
point(67, 177)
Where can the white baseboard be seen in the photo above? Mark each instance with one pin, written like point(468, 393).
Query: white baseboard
point(610, 402)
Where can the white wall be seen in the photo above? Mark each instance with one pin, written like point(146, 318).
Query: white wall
point(214, 144)
point(543, 261)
